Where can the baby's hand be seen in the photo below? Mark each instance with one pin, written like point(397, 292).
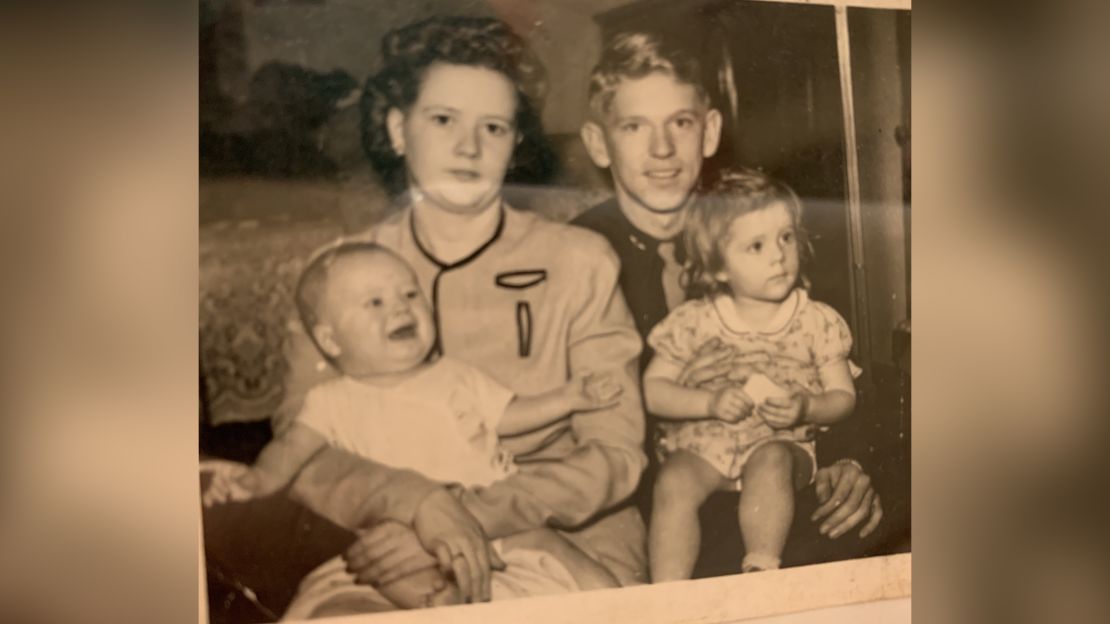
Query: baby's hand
point(593, 391)
point(730, 404)
point(230, 482)
point(784, 412)
point(447, 593)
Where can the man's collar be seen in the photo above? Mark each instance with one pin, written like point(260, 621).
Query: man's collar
point(641, 239)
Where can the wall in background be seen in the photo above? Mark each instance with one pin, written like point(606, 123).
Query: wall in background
point(345, 34)
point(879, 74)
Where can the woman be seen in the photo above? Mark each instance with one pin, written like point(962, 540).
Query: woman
point(527, 300)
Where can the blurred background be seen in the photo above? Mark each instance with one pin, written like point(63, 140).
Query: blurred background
point(98, 515)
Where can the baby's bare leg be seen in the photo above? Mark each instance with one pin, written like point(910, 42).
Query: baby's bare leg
point(413, 591)
point(767, 505)
point(588, 573)
point(674, 537)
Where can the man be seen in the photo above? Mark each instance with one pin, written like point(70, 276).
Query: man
point(650, 123)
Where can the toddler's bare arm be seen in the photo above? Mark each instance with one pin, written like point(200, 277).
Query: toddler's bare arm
point(839, 399)
point(665, 397)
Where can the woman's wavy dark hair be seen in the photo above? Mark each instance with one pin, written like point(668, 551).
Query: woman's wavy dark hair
point(406, 55)
point(735, 193)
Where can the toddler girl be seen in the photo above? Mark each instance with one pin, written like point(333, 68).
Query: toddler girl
point(752, 428)
point(361, 305)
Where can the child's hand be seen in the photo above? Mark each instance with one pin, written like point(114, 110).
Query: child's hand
point(593, 391)
point(730, 404)
point(784, 412)
point(446, 593)
point(231, 482)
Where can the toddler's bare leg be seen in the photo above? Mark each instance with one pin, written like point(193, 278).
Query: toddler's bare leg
point(674, 537)
point(767, 505)
point(589, 573)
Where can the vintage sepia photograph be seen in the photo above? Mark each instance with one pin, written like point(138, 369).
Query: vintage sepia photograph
point(507, 300)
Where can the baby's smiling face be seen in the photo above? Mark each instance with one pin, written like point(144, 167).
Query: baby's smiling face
point(374, 319)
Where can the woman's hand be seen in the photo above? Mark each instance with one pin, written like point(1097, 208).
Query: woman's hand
point(846, 498)
point(386, 553)
point(447, 530)
point(443, 534)
point(784, 412)
point(730, 404)
point(712, 360)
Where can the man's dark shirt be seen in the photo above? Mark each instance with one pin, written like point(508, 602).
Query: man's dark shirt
point(641, 276)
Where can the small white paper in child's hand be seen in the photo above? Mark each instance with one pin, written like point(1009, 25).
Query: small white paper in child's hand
point(759, 388)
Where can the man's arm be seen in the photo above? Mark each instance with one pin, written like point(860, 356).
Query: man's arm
point(605, 467)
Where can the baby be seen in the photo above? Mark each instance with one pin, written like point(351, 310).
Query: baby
point(397, 404)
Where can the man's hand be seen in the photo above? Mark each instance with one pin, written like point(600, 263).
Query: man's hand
point(447, 530)
point(712, 360)
point(846, 498)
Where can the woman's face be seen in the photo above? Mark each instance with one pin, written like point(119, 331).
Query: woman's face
point(458, 137)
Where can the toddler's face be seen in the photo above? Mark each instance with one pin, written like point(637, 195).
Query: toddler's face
point(380, 321)
point(760, 252)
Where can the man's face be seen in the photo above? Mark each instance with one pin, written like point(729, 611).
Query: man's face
point(653, 138)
